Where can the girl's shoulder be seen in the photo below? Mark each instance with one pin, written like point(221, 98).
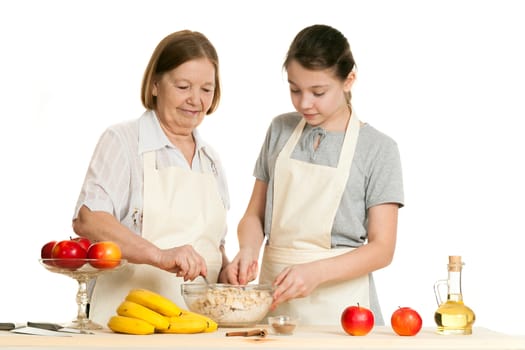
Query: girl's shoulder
point(290, 119)
point(284, 123)
point(373, 136)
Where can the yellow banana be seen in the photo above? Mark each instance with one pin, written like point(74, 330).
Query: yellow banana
point(185, 324)
point(154, 301)
point(212, 325)
point(129, 325)
point(132, 309)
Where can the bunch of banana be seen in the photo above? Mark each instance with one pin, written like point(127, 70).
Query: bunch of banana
point(146, 312)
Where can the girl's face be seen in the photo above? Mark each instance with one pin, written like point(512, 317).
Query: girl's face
point(319, 96)
point(185, 94)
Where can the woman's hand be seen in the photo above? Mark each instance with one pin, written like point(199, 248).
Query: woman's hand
point(243, 268)
point(184, 261)
point(296, 281)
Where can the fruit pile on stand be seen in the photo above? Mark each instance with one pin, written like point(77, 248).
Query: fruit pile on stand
point(72, 253)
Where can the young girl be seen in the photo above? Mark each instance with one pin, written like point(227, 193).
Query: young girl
point(327, 192)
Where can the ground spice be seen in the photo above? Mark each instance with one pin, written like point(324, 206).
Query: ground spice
point(283, 328)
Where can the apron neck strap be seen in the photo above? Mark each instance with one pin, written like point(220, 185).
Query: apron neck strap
point(349, 143)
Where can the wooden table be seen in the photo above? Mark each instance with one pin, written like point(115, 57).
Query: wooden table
point(319, 338)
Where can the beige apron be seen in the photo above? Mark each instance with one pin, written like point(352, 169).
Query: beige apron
point(305, 203)
point(180, 207)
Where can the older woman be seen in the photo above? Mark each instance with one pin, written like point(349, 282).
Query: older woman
point(154, 186)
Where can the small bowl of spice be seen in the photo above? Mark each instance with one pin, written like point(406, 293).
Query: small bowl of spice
point(282, 325)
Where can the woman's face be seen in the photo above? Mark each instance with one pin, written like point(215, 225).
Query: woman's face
point(318, 95)
point(185, 94)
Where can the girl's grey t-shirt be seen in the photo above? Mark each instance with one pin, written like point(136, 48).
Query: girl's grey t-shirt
point(375, 176)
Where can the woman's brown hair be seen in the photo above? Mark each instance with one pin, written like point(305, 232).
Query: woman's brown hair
point(174, 50)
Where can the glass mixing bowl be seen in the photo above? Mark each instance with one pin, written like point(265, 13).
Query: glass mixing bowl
point(229, 305)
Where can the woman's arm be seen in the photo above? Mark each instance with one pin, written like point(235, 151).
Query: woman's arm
point(300, 280)
point(102, 226)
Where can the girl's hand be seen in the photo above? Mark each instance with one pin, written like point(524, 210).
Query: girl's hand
point(296, 281)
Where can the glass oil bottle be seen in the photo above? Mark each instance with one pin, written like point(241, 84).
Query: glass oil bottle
point(453, 316)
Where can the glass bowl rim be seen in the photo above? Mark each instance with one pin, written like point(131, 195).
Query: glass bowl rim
point(283, 319)
point(201, 287)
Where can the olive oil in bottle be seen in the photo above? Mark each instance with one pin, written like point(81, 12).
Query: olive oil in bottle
point(453, 316)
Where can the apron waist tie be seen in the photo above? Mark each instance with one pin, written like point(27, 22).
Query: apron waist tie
point(293, 256)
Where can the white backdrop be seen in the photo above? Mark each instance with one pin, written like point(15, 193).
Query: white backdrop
point(443, 78)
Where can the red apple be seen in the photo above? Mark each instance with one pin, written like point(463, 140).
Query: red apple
point(46, 252)
point(357, 320)
point(104, 254)
point(83, 241)
point(406, 321)
point(70, 253)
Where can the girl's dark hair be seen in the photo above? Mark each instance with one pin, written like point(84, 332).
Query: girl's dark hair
point(174, 50)
point(321, 47)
